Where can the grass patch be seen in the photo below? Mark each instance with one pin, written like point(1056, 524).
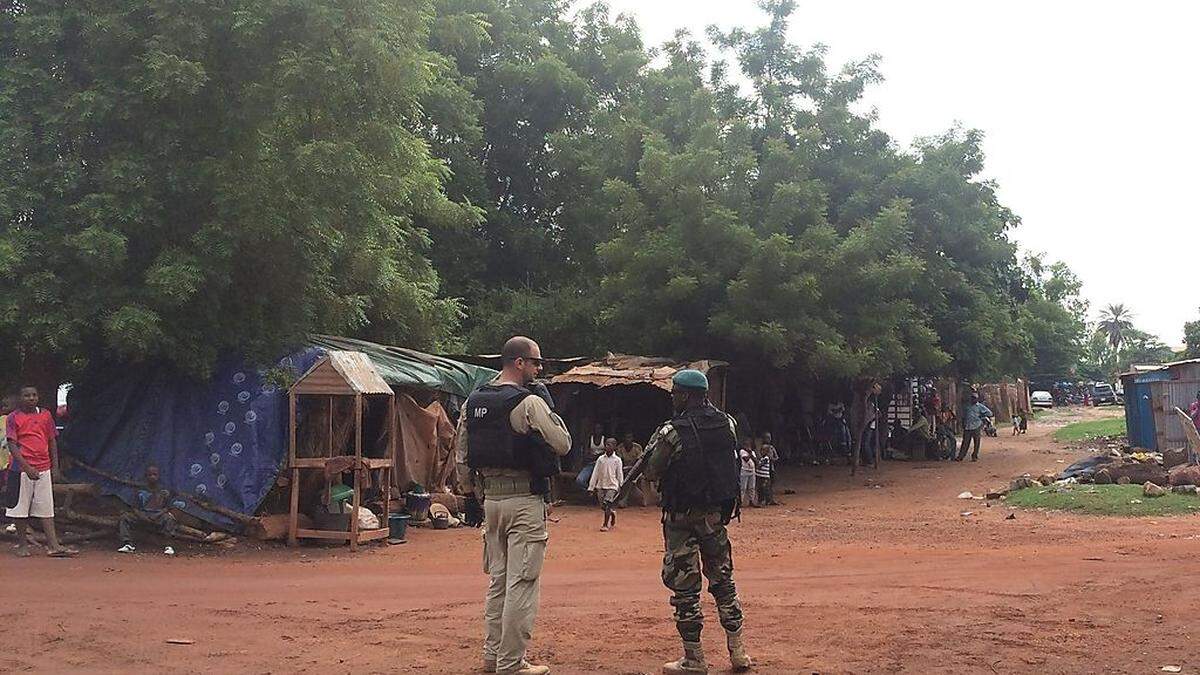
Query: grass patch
point(1086, 431)
point(1103, 500)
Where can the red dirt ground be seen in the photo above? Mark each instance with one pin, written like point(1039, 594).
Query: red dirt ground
point(878, 573)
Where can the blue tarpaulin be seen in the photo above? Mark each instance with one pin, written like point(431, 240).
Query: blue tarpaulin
point(225, 439)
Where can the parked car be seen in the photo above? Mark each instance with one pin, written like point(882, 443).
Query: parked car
point(1041, 399)
point(1103, 394)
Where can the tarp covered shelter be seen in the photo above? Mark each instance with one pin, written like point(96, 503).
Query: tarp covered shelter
point(625, 393)
point(403, 367)
point(223, 440)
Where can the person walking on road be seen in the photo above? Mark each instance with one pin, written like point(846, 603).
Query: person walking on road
point(606, 480)
point(973, 417)
point(693, 459)
point(508, 445)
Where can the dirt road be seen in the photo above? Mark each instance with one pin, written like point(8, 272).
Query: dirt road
point(879, 573)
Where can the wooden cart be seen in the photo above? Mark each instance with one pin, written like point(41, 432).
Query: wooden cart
point(351, 374)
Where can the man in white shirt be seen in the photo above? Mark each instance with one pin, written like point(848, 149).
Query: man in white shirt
point(606, 481)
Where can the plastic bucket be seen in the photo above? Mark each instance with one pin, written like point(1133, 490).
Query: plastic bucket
point(417, 504)
point(585, 476)
point(397, 527)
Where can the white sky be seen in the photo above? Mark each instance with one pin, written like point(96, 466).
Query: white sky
point(1088, 109)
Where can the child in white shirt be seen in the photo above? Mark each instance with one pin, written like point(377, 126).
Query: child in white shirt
point(606, 481)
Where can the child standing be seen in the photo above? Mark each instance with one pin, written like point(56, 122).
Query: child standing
point(748, 464)
point(765, 475)
point(606, 481)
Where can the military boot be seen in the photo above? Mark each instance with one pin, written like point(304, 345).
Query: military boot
point(692, 661)
point(527, 668)
point(737, 652)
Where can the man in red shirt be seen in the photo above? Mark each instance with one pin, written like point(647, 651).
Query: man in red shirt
point(1194, 411)
point(32, 440)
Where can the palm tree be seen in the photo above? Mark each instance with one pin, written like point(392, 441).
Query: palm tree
point(1115, 323)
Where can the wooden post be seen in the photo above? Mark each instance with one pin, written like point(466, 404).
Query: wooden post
point(330, 439)
point(878, 435)
point(391, 454)
point(357, 472)
point(294, 511)
point(856, 433)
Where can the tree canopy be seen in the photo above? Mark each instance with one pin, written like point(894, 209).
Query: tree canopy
point(654, 206)
point(184, 179)
point(1191, 336)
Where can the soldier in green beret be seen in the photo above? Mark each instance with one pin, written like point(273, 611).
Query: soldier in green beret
point(693, 459)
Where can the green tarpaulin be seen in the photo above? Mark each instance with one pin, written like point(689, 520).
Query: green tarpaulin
point(410, 368)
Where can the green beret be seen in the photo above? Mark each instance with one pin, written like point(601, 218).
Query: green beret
point(689, 378)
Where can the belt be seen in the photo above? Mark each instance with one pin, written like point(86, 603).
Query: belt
point(499, 487)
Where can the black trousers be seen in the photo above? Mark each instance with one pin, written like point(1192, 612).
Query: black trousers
point(970, 436)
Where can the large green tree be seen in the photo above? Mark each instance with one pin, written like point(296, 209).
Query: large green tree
point(182, 179)
point(1102, 362)
point(654, 207)
point(179, 179)
point(1053, 317)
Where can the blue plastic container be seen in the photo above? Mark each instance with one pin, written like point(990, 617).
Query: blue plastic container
point(585, 476)
point(397, 527)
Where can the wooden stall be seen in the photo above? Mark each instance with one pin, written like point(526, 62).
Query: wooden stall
point(340, 374)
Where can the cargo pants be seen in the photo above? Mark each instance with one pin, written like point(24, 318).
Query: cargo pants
point(514, 548)
point(695, 543)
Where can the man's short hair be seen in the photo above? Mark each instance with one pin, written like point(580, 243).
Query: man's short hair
point(517, 347)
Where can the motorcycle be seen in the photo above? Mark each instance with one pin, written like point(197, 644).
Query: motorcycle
point(989, 429)
point(947, 443)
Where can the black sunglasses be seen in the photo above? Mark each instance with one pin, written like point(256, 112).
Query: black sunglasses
point(535, 360)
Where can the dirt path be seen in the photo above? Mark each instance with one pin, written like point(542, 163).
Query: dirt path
point(879, 573)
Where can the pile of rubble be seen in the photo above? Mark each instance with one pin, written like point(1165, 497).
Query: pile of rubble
point(1124, 466)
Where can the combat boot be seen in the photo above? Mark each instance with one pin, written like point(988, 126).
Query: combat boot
point(737, 652)
point(527, 668)
point(692, 661)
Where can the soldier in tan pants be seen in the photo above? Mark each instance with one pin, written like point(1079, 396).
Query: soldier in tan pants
point(514, 548)
point(497, 427)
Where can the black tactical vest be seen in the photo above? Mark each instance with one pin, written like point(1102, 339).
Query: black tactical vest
point(705, 473)
point(492, 443)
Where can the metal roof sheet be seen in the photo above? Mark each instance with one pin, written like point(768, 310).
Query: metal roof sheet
point(624, 369)
point(355, 369)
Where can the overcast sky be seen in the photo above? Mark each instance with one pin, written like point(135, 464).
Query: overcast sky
point(1089, 111)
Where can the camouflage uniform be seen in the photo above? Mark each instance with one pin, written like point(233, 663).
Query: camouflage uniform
point(694, 542)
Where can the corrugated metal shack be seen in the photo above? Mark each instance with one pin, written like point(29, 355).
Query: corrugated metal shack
point(1151, 396)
